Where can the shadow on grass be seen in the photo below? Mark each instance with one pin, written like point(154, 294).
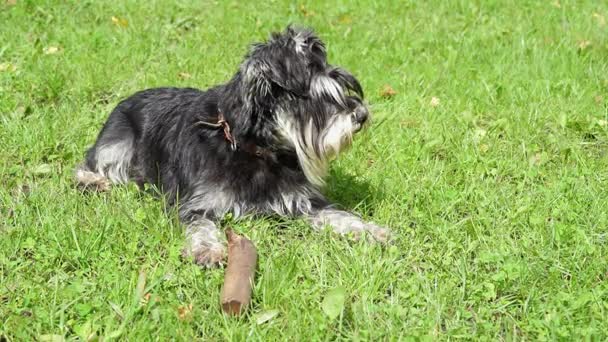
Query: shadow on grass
point(353, 193)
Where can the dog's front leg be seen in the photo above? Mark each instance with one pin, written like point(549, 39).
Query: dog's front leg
point(343, 223)
point(204, 243)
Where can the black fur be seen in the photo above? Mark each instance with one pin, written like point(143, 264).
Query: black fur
point(156, 136)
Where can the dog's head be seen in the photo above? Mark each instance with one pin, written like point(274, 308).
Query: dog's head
point(315, 108)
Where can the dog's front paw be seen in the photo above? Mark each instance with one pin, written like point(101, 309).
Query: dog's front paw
point(208, 256)
point(370, 232)
point(378, 233)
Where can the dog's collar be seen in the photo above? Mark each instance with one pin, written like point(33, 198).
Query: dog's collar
point(223, 124)
point(249, 147)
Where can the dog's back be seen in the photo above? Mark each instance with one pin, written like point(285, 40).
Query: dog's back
point(132, 123)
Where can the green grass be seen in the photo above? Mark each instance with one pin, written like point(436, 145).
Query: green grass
point(498, 195)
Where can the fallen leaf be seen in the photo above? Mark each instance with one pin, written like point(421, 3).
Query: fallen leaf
point(306, 12)
point(601, 20)
point(120, 22)
point(145, 299)
point(387, 92)
point(556, 4)
point(42, 169)
point(333, 303)
point(483, 148)
point(7, 67)
point(602, 123)
point(184, 312)
point(51, 338)
point(184, 76)
point(562, 120)
point(266, 316)
point(536, 159)
point(479, 134)
point(598, 99)
point(345, 19)
point(409, 123)
point(50, 50)
point(11, 2)
point(117, 310)
point(434, 101)
point(583, 44)
point(141, 286)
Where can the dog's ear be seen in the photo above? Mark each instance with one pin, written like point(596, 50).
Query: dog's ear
point(285, 63)
point(268, 71)
point(256, 85)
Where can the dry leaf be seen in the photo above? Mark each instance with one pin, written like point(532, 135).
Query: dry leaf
point(479, 134)
point(145, 299)
point(117, 310)
point(50, 50)
point(556, 4)
point(387, 92)
point(601, 20)
point(409, 123)
point(266, 316)
point(536, 159)
point(434, 101)
point(602, 123)
point(120, 22)
point(583, 44)
point(483, 148)
point(598, 99)
point(51, 338)
point(7, 67)
point(345, 19)
point(306, 12)
point(184, 76)
point(184, 312)
point(11, 2)
point(140, 287)
point(333, 303)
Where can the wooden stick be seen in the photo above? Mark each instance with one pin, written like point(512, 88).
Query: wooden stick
point(242, 258)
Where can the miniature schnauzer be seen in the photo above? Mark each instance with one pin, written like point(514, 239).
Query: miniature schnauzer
point(258, 144)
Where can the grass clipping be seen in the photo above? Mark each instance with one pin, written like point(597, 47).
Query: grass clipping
point(242, 258)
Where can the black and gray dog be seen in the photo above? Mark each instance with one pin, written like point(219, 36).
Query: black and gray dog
point(259, 144)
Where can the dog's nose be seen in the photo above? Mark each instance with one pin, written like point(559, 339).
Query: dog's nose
point(361, 114)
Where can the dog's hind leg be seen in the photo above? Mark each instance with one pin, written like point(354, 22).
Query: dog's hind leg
point(204, 244)
point(109, 161)
point(106, 164)
point(90, 180)
point(343, 223)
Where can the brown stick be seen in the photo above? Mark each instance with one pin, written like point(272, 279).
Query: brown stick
point(242, 258)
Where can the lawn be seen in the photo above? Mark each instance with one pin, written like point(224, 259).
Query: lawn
point(487, 155)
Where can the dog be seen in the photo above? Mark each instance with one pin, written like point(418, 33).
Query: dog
point(259, 144)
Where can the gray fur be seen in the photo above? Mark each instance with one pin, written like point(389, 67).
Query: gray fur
point(288, 112)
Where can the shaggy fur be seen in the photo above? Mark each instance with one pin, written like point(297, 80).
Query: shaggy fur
point(288, 113)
